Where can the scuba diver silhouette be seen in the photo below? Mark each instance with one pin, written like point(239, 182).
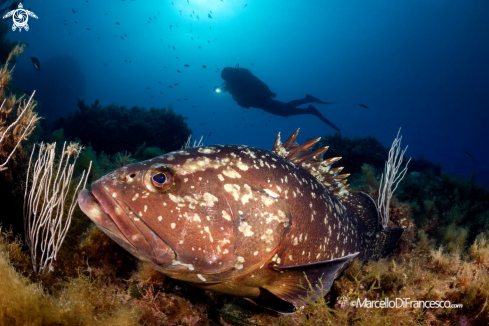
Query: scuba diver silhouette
point(248, 91)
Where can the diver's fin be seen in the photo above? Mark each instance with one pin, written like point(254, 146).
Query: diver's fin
point(295, 283)
point(313, 99)
point(318, 114)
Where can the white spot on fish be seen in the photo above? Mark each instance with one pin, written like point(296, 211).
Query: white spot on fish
point(245, 228)
point(239, 262)
point(271, 193)
point(160, 218)
point(233, 190)
point(189, 266)
point(206, 229)
point(208, 150)
point(173, 225)
point(226, 216)
point(135, 197)
point(209, 200)
point(201, 278)
point(220, 177)
point(242, 166)
point(231, 173)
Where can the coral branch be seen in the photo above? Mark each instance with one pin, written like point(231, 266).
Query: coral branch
point(391, 178)
point(47, 218)
point(18, 122)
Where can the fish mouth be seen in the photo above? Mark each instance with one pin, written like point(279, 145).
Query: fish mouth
point(114, 219)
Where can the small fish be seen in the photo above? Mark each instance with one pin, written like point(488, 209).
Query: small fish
point(245, 6)
point(177, 58)
point(208, 41)
point(117, 23)
point(171, 26)
point(88, 29)
point(73, 10)
point(204, 67)
point(186, 65)
point(122, 37)
point(147, 87)
point(192, 38)
point(149, 18)
point(105, 64)
point(170, 86)
point(255, 241)
point(199, 46)
point(363, 106)
point(179, 100)
point(36, 63)
point(125, 34)
point(470, 156)
point(197, 17)
point(176, 84)
point(173, 48)
point(209, 15)
point(178, 71)
point(252, 64)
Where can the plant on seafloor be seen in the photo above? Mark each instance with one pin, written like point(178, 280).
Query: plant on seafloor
point(390, 178)
point(47, 216)
point(15, 126)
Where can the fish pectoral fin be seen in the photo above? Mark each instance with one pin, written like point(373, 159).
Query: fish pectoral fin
point(296, 283)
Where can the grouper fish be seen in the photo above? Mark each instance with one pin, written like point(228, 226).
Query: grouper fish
point(242, 220)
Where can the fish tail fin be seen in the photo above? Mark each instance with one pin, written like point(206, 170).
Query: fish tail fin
point(378, 242)
point(382, 243)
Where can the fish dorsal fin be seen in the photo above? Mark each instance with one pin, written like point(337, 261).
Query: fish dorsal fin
point(312, 162)
point(316, 279)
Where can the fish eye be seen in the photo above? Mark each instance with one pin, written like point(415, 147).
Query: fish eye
point(159, 180)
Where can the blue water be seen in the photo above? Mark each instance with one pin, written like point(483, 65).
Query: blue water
point(420, 65)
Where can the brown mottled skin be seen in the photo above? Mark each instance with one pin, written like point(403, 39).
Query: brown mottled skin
point(235, 219)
